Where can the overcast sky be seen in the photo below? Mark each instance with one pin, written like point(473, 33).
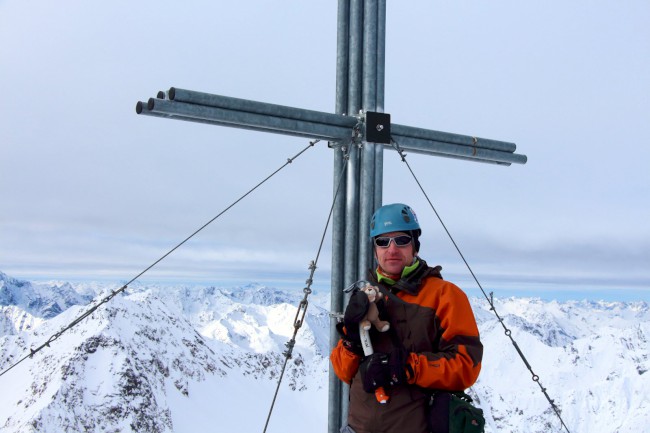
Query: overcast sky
point(90, 191)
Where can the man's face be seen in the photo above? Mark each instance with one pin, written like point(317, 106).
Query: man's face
point(394, 259)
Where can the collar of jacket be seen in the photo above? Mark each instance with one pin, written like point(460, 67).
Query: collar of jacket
point(412, 277)
point(385, 278)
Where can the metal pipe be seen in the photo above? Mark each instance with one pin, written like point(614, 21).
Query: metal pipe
point(256, 107)
point(367, 172)
point(446, 137)
point(442, 155)
point(352, 217)
point(432, 147)
point(242, 119)
point(337, 284)
point(214, 116)
point(342, 56)
point(336, 418)
point(369, 69)
point(381, 58)
point(352, 191)
point(381, 78)
point(366, 205)
point(141, 108)
point(355, 57)
point(351, 243)
point(379, 181)
point(355, 66)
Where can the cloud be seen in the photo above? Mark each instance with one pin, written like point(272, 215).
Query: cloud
point(89, 188)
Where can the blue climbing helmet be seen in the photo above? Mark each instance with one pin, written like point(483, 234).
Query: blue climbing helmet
point(396, 217)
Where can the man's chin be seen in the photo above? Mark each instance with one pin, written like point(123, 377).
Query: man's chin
point(395, 269)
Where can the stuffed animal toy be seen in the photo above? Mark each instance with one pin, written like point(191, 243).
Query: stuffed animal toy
point(372, 317)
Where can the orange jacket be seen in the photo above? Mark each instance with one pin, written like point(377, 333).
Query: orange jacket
point(434, 321)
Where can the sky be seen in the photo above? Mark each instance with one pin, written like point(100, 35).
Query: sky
point(90, 191)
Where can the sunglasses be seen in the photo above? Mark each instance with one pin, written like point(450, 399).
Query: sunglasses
point(400, 241)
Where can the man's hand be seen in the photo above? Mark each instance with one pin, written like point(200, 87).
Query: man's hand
point(399, 366)
point(375, 371)
point(355, 312)
point(384, 370)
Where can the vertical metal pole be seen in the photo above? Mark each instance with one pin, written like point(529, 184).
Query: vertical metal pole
point(381, 56)
point(342, 56)
point(352, 217)
point(352, 199)
point(359, 86)
point(369, 84)
point(355, 83)
point(381, 79)
point(367, 179)
point(335, 417)
point(355, 64)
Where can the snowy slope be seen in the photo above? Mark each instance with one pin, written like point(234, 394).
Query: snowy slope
point(591, 357)
point(187, 359)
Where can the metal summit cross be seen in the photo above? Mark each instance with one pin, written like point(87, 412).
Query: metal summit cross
point(360, 126)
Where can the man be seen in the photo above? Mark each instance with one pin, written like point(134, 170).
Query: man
point(432, 344)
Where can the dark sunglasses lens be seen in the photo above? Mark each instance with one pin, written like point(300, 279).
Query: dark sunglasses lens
point(402, 240)
point(382, 242)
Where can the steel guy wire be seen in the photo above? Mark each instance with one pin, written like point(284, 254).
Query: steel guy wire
point(125, 286)
point(489, 299)
point(302, 307)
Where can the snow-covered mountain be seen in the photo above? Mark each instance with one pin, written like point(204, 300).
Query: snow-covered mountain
point(189, 359)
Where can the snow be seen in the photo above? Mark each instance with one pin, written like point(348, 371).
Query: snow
point(243, 404)
point(186, 359)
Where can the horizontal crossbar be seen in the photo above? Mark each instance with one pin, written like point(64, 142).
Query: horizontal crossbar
point(338, 128)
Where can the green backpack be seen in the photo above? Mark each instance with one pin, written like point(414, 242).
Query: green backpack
point(453, 412)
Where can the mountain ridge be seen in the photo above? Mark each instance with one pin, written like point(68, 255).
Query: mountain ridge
point(149, 358)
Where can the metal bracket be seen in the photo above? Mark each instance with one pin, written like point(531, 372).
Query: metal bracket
point(377, 127)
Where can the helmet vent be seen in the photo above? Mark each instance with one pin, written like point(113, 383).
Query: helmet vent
point(405, 216)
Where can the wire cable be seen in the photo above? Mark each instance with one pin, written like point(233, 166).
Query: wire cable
point(125, 286)
point(489, 299)
point(302, 307)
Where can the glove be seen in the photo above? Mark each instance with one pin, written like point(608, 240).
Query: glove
point(355, 312)
point(375, 371)
point(398, 366)
point(352, 346)
point(384, 369)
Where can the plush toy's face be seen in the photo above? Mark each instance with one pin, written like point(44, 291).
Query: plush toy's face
point(371, 291)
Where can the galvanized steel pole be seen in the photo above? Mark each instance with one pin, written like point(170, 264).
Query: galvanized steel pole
point(246, 105)
point(381, 79)
point(369, 103)
point(335, 388)
point(359, 87)
point(446, 137)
